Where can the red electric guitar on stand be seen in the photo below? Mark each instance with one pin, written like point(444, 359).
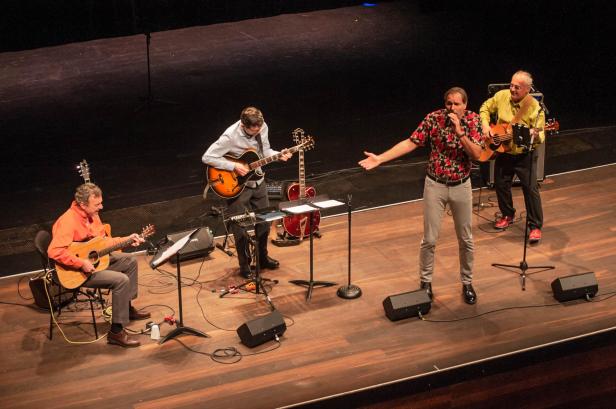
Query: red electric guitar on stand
point(298, 225)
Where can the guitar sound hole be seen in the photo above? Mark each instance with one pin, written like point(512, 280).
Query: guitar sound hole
point(93, 257)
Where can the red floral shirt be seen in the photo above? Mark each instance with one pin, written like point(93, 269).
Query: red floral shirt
point(447, 160)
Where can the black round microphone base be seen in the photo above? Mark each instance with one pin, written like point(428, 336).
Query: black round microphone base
point(349, 292)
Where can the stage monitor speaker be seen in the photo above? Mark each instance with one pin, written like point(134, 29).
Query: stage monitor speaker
point(407, 305)
point(200, 244)
point(575, 286)
point(540, 167)
point(261, 330)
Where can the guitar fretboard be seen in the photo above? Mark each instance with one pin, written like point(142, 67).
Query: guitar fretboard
point(147, 231)
point(302, 175)
point(258, 163)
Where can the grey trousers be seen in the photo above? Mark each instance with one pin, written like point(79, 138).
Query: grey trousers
point(121, 278)
point(460, 199)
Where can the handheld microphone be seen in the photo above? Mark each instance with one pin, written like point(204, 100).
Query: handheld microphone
point(447, 118)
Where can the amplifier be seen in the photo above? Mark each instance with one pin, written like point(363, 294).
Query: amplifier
point(201, 243)
point(540, 167)
point(275, 190)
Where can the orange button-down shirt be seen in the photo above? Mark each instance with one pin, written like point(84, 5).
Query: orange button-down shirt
point(74, 225)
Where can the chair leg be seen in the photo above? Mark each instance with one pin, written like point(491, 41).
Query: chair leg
point(51, 312)
point(53, 306)
point(101, 300)
point(93, 319)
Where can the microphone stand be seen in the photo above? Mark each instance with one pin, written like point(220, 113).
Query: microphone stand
point(223, 247)
point(149, 100)
point(245, 222)
point(349, 291)
point(523, 266)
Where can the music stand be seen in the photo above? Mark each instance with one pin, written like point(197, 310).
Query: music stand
point(310, 206)
point(159, 259)
point(522, 135)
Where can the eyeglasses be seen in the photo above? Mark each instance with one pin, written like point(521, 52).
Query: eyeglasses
point(515, 87)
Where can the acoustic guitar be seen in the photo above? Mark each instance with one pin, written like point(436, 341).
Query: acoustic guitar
point(97, 252)
point(229, 184)
point(298, 225)
point(500, 139)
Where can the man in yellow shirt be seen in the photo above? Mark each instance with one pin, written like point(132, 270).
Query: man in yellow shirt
point(516, 106)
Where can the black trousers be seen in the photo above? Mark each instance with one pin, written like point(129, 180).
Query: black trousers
point(249, 199)
point(505, 167)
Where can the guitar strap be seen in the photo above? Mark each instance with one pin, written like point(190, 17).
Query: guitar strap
point(261, 154)
point(525, 104)
point(260, 143)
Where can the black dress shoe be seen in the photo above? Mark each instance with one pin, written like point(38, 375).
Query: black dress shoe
point(470, 297)
point(424, 285)
point(268, 262)
point(134, 314)
point(245, 272)
point(122, 339)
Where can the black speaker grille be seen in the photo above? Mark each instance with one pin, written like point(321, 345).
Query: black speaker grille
point(261, 330)
point(407, 305)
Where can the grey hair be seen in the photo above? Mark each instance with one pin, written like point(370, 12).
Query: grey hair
point(528, 78)
point(85, 191)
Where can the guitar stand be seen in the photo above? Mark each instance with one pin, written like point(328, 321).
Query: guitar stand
point(286, 240)
point(479, 206)
point(523, 266)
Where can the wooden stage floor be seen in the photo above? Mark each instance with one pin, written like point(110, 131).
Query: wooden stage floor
point(332, 345)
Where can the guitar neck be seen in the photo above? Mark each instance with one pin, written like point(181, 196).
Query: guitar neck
point(302, 175)
point(258, 163)
point(118, 246)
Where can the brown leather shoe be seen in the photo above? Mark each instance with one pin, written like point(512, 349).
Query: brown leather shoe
point(134, 314)
point(122, 339)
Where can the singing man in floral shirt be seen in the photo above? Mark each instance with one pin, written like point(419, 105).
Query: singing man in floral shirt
point(454, 136)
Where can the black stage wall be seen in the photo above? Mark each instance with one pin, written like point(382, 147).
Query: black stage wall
point(355, 77)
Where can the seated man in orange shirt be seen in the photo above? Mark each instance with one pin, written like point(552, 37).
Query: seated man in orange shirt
point(81, 222)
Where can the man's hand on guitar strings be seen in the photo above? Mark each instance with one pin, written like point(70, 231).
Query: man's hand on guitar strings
point(241, 169)
point(286, 155)
point(87, 266)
